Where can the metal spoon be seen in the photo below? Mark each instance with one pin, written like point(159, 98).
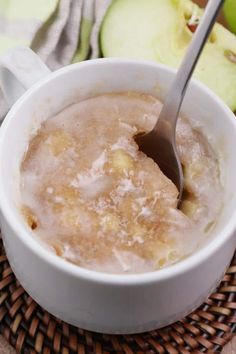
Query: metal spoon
point(160, 144)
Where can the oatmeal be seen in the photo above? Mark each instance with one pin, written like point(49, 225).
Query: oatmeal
point(97, 201)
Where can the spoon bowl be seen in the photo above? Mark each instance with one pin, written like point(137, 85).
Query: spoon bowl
point(160, 143)
point(156, 145)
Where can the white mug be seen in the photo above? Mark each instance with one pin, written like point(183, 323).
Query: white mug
point(96, 301)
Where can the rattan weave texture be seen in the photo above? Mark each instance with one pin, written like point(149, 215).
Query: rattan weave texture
point(30, 329)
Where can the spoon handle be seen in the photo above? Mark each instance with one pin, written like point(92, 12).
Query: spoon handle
point(176, 94)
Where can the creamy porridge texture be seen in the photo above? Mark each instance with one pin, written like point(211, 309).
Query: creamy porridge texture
point(97, 201)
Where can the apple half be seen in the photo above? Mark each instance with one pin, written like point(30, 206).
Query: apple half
point(161, 30)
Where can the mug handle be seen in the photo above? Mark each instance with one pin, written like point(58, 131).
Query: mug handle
point(20, 68)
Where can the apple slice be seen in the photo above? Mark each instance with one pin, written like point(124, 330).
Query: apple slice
point(161, 30)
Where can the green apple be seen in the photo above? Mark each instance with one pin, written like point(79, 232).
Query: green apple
point(161, 30)
point(230, 14)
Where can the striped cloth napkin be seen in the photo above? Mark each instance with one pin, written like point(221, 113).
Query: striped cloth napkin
point(60, 31)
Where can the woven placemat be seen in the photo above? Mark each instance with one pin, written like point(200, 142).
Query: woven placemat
point(30, 329)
